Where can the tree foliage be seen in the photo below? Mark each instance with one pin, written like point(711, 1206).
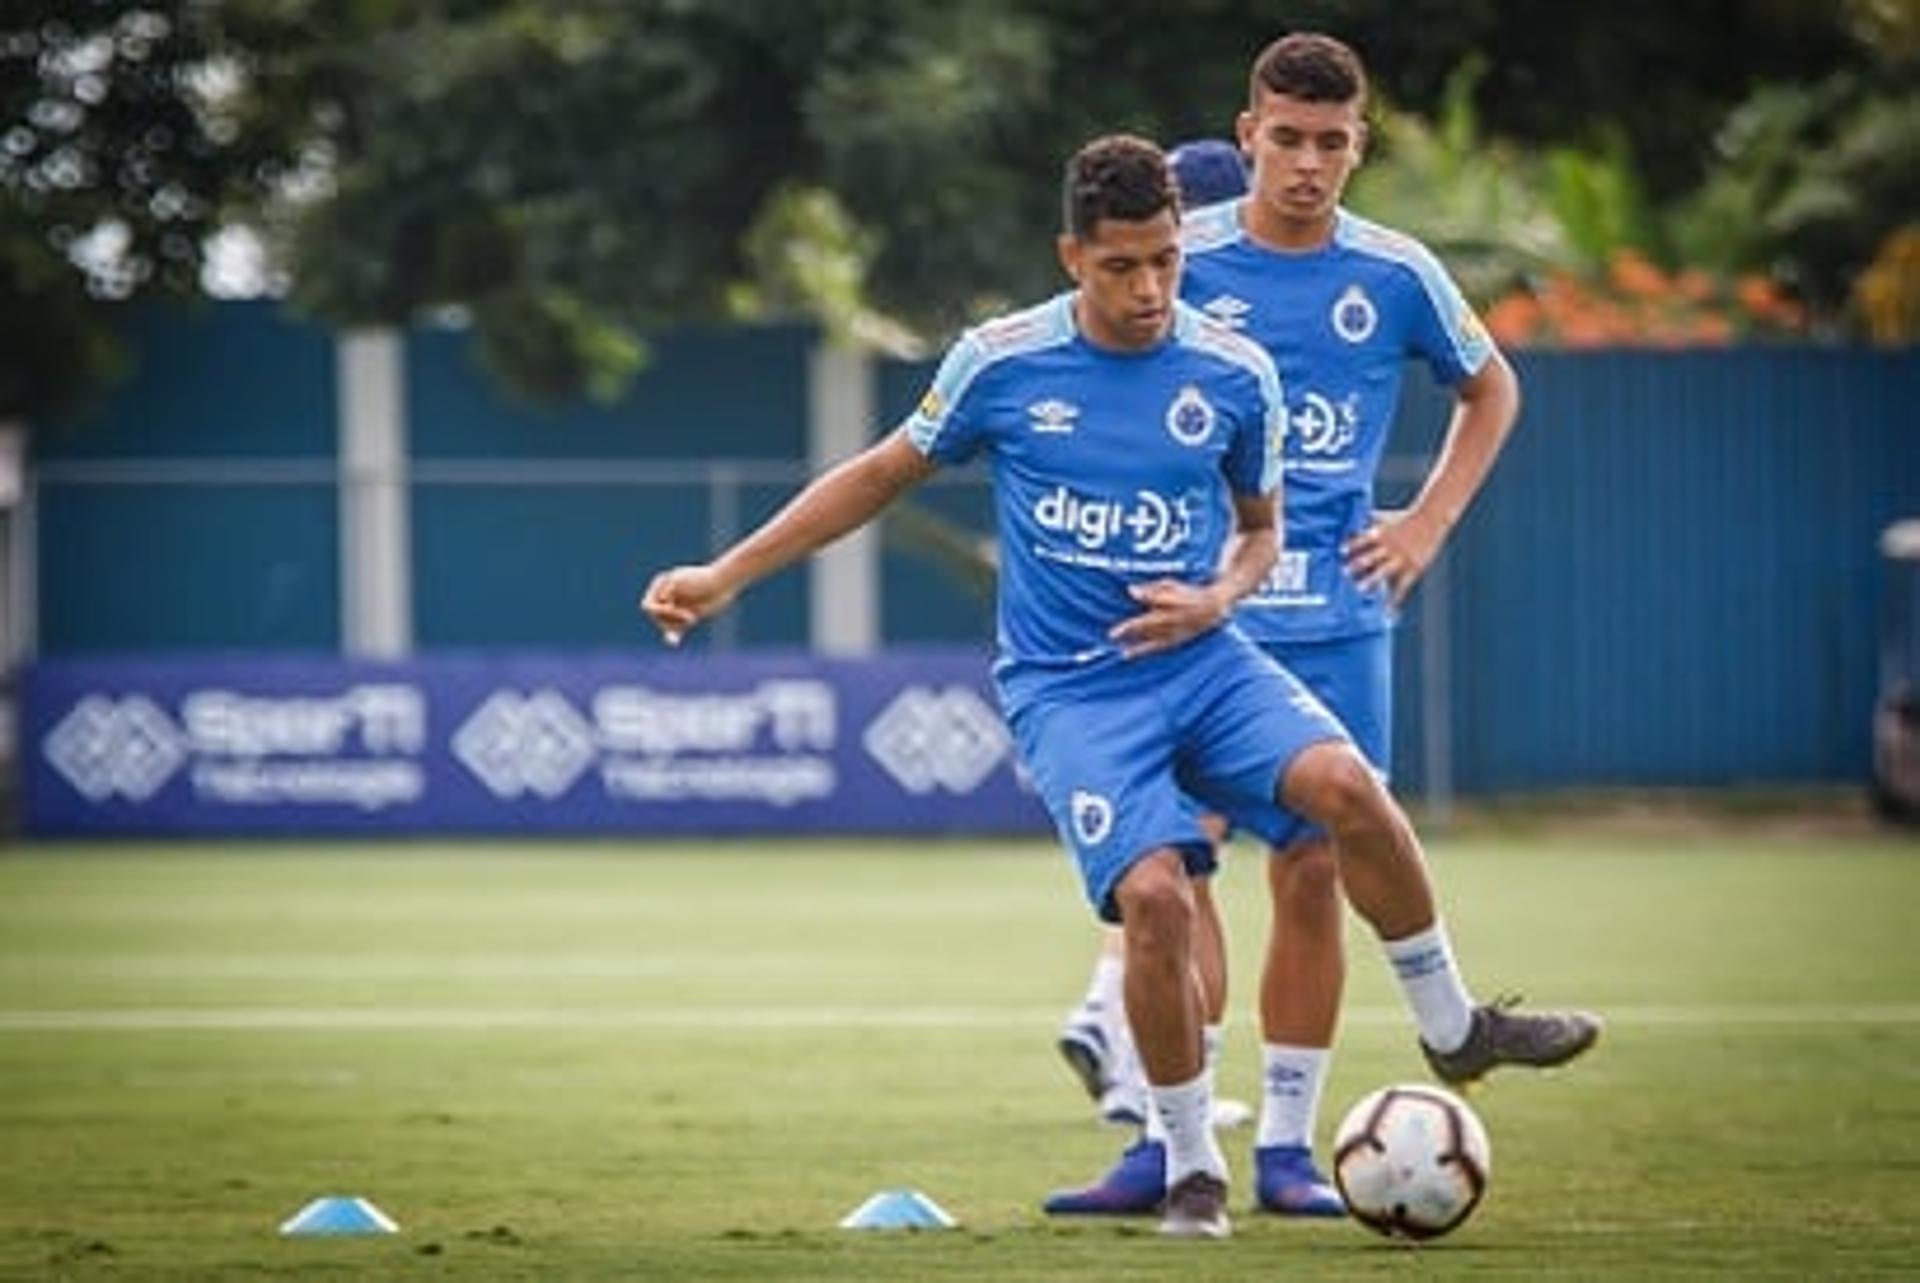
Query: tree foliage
point(571, 175)
point(115, 166)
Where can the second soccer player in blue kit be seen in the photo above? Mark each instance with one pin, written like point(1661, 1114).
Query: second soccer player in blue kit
point(1340, 303)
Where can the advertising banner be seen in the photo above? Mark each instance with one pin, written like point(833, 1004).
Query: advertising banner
point(910, 742)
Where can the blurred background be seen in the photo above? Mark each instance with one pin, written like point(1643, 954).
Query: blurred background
point(359, 362)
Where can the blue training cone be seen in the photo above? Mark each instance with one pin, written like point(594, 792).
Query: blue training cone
point(339, 1215)
point(898, 1209)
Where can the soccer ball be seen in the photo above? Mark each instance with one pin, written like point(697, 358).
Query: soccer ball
point(1412, 1161)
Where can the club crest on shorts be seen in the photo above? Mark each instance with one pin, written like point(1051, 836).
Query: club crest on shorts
point(1190, 417)
point(1092, 817)
point(1354, 316)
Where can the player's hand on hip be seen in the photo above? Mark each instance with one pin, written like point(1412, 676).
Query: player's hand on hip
point(1393, 553)
point(679, 598)
point(1175, 613)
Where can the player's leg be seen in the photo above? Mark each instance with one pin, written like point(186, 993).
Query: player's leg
point(1301, 982)
point(1210, 949)
point(1131, 1186)
point(1259, 715)
point(1304, 971)
point(1096, 1044)
point(1103, 769)
point(1210, 958)
point(1384, 872)
point(1166, 1009)
point(1313, 771)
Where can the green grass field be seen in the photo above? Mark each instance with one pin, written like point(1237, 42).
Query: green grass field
point(688, 1062)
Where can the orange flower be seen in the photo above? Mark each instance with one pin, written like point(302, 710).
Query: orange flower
point(1710, 330)
point(1694, 285)
point(1757, 294)
point(1634, 273)
point(1515, 319)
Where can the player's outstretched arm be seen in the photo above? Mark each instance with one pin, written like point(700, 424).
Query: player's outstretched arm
point(838, 501)
point(1398, 547)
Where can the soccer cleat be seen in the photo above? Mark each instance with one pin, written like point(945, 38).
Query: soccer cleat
point(1500, 1035)
point(1196, 1208)
point(1083, 1045)
point(1287, 1183)
point(1134, 1186)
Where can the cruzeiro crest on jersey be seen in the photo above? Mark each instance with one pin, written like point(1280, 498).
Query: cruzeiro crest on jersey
point(1190, 417)
point(1092, 817)
point(1354, 315)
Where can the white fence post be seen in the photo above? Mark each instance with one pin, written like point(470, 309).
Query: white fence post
point(376, 572)
point(844, 604)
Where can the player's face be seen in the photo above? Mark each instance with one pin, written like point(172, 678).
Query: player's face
point(1128, 274)
point(1302, 153)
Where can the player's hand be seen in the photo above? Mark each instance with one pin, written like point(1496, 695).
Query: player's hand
point(1175, 613)
point(1394, 552)
point(679, 598)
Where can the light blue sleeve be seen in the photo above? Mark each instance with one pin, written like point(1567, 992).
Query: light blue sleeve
point(942, 426)
point(1253, 461)
point(1258, 409)
point(1445, 331)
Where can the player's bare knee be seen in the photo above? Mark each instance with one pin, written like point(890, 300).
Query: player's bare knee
point(1333, 786)
point(1308, 876)
point(1156, 905)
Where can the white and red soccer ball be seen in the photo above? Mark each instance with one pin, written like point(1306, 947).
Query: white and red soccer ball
point(1412, 1161)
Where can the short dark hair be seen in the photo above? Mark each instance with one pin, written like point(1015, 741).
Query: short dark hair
point(1118, 176)
point(1311, 67)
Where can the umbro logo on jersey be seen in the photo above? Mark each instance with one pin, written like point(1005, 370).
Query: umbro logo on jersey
point(1228, 310)
point(1052, 415)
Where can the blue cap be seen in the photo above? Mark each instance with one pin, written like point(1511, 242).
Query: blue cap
point(1208, 171)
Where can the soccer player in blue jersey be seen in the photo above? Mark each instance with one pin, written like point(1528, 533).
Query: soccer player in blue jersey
point(1341, 304)
point(1094, 1039)
point(1134, 447)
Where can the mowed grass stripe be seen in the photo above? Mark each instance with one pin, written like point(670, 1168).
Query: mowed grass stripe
point(426, 1020)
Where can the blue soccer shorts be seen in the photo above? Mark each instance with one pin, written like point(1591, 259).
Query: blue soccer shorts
point(1353, 677)
point(1126, 756)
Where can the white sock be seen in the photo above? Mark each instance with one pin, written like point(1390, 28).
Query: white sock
point(1103, 1001)
point(1156, 1127)
point(1125, 1063)
point(1290, 1100)
point(1431, 982)
point(1185, 1111)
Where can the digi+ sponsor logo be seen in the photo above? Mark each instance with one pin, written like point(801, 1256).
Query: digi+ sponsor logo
point(1150, 523)
point(1324, 426)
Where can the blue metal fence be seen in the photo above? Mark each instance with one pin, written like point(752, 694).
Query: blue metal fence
point(1671, 578)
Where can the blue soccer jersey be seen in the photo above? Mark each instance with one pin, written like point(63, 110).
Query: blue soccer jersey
point(1340, 322)
point(1110, 468)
